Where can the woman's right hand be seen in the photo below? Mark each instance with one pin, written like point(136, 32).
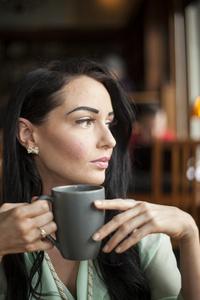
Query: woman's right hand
point(20, 225)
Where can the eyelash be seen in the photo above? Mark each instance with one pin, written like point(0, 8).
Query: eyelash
point(89, 120)
point(113, 123)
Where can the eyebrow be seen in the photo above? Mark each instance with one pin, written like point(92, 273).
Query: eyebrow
point(96, 111)
point(84, 108)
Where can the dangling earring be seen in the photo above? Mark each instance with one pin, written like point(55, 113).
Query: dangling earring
point(31, 150)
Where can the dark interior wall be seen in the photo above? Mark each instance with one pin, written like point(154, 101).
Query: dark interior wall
point(24, 48)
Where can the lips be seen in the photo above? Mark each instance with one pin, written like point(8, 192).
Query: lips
point(101, 162)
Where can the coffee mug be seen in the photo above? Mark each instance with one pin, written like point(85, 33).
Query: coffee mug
point(77, 220)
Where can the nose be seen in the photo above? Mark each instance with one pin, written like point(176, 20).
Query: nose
point(106, 138)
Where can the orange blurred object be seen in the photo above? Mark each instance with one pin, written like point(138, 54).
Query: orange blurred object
point(196, 108)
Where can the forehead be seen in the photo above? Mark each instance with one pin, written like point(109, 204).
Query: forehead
point(85, 90)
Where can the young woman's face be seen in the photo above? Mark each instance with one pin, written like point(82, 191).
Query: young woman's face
point(76, 143)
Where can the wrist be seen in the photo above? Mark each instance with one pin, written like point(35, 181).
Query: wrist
point(191, 233)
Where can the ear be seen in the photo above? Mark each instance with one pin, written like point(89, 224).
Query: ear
point(25, 133)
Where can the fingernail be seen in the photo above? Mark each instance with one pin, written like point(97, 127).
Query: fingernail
point(98, 202)
point(105, 248)
point(118, 249)
point(95, 236)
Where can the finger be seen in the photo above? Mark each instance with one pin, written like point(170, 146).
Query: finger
point(124, 230)
point(41, 220)
point(48, 229)
point(8, 206)
point(116, 222)
point(39, 245)
point(34, 235)
point(118, 204)
point(32, 241)
point(134, 238)
point(43, 245)
point(34, 209)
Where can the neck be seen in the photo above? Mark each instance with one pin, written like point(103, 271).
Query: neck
point(66, 270)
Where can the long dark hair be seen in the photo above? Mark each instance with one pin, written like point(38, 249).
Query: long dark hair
point(35, 96)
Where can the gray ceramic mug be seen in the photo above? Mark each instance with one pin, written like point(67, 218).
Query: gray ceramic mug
point(77, 220)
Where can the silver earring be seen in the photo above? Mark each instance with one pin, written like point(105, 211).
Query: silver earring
point(31, 150)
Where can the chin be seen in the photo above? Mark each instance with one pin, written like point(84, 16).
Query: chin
point(95, 181)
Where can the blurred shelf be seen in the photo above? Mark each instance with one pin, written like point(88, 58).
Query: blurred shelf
point(145, 97)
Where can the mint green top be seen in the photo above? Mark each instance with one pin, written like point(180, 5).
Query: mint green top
point(158, 261)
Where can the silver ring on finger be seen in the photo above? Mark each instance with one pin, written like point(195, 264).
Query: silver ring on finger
point(42, 232)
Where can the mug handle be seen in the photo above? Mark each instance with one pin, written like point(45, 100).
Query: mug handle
point(49, 237)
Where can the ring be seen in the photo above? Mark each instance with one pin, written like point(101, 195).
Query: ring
point(42, 232)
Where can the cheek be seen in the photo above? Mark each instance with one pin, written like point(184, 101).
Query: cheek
point(65, 147)
point(76, 150)
point(70, 147)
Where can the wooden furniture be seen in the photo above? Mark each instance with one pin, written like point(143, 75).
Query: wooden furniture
point(184, 165)
point(175, 175)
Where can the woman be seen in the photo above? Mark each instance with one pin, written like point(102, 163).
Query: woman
point(70, 123)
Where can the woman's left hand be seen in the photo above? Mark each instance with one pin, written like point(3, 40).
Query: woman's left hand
point(139, 219)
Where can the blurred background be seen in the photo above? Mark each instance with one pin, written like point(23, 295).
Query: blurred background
point(153, 46)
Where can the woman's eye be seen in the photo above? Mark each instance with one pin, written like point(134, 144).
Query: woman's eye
point(108, 124)
point(111, 123)
point(85, 123)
